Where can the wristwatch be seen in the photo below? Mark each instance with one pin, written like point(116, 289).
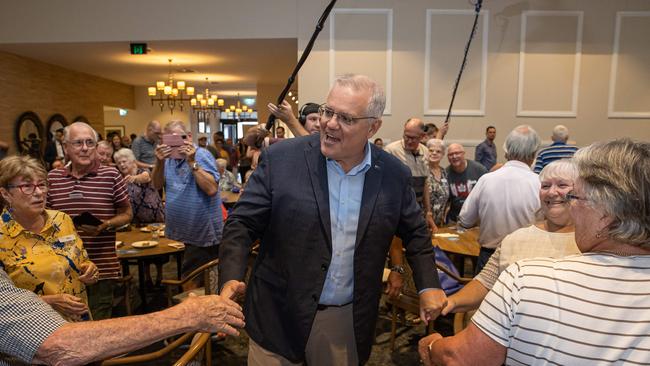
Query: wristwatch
point(195, 166)
point(398, 269)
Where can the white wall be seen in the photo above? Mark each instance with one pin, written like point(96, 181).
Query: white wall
point(549, 80)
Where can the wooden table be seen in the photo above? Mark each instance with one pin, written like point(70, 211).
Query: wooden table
point(127, 253)
point(465, 245)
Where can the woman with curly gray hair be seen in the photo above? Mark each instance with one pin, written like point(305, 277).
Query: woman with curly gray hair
point(584, 309)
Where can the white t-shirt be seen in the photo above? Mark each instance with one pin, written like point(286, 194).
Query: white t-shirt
point(580, 310)
point(502, 201)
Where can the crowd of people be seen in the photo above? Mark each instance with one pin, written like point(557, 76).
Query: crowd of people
point(560, 278)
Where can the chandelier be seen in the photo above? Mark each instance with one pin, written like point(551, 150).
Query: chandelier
point(239, 111)
point(207, 102)
point(166, 94)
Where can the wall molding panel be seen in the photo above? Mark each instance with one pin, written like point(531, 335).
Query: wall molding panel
point(483, 28)
point(521, 83)
point(389, 47)
point(613, 79)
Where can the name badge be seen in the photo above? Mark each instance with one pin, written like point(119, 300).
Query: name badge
point(67, 238)
point(76, 195)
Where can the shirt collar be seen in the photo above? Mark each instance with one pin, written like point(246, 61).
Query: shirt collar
point(93, 169)
point(12, 228)
point(517, 164)
point(362, 167)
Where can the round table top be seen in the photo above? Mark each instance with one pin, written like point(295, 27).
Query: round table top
point(127, 251)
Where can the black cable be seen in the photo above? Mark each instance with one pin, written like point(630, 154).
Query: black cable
point(303, 58)
point(477, 9)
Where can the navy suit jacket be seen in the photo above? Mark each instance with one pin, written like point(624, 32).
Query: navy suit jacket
point(286, 205)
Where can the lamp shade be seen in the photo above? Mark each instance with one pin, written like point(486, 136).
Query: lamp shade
point(160, 85)
point(193, 102)
point(190, 90)
point(152, 91)
point(220, 102)
point(180, 85)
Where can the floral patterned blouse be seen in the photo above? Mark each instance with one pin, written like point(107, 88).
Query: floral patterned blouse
point(439, 195)
point(47, 263)
point(145, 202)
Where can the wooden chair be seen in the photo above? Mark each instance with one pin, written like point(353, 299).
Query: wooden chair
point(201, 342)
point(209, 273)
point(409, 301)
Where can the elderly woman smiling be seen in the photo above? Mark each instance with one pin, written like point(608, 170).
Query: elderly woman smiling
point(39, 248)
point(145, 200)
point(585, 309)
point(551, 237)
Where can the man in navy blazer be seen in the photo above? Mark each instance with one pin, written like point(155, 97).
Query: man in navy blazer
point(325, 208)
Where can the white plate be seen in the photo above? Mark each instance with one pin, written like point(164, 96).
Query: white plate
point(118, 243)
point(144, 244)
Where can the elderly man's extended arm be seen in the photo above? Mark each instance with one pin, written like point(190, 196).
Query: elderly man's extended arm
point(85, 342)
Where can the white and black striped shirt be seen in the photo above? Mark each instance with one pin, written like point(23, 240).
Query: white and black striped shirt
point(580, 310)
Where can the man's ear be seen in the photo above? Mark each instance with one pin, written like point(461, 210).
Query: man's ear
point(373, 128)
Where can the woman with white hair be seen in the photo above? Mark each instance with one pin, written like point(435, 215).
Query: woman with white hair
point(583, 309)
point(145, 200)
point(551, 237)
point(437, 182)
point(227, 180)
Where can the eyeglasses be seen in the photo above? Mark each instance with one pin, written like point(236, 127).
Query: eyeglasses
point(29, 188)
point(572, 197)
point(411, 138)
point(327, 113)
point(77, 144)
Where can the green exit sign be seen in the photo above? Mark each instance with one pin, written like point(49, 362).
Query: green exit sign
point(138, 48)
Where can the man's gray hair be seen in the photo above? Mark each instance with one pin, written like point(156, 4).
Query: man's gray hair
point(522, 144)
point(358, 82)
point(175, 123)
point(105, 144)
point(436, 143)
point(616, 178)
point(560, 133)
point(561, 169)
point(66, 130)
point(124, 153)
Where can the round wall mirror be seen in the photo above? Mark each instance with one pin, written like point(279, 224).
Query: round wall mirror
point(55, 123)
point(30, 135)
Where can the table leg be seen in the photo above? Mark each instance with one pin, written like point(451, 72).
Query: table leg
point(141, 281)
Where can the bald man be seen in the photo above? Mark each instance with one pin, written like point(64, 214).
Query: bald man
point(414, 155)
point(462, 175)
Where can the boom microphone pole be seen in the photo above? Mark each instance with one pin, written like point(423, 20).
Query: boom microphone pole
point(303, 58)
point(477, 9)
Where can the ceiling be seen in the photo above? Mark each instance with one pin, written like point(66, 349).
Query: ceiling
point(231, 66)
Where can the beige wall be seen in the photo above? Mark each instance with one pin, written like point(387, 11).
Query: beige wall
point(46, 89)
point(546, 82)
point(127, 20)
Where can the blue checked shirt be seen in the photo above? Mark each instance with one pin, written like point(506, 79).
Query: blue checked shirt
point(25, 322)
point(345, 192)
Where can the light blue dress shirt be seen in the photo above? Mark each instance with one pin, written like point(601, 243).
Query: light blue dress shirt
point(345, 192)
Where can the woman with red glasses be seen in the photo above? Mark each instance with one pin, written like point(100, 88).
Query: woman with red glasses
point(39, 248)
